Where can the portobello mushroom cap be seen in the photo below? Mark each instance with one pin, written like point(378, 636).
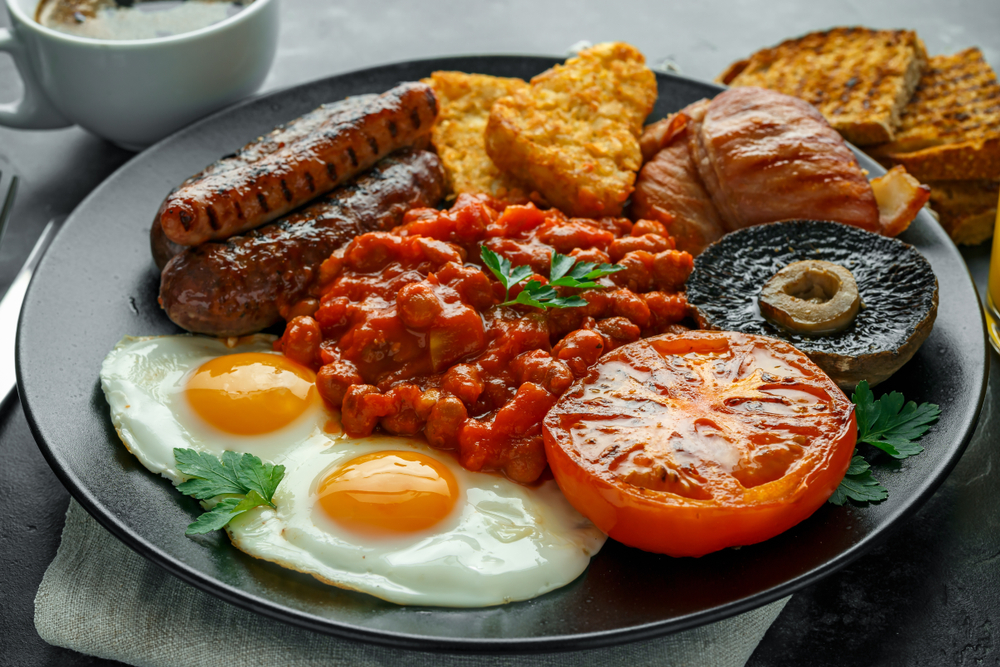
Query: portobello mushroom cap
point(898, 289)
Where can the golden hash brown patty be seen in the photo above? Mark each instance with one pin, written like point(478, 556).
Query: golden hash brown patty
point(464, 103)
point(574, 134)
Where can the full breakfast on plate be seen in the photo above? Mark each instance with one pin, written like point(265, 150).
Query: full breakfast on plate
point(515, 320)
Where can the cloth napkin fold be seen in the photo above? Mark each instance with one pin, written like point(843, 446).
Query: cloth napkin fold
point(100, 598)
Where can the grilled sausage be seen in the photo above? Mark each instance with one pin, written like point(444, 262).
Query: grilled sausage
point(162, 247)
point(283, 170)
point(241, 285)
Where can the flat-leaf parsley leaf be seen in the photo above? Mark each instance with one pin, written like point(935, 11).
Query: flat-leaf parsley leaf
point(564, 271)
point(888, 424)
point(233, 475)
point(891, 425)
point(859, 485)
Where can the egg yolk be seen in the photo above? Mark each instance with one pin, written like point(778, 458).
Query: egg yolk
point(251, 393)
point(389, 493)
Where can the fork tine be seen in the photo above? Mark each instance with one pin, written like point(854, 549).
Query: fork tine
point(8, 204)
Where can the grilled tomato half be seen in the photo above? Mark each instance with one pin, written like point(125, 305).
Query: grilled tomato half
point(684, 444)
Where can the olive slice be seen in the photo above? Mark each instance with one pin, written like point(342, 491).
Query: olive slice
point(811, 297)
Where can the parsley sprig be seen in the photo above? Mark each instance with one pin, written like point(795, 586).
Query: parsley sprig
point(888, 424)
point(564, 271)
point(858, 484)
point(245, 476)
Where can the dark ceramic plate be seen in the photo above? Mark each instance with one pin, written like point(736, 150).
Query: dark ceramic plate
point(97, 283)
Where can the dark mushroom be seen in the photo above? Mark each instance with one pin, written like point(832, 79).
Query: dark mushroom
point(897, 289)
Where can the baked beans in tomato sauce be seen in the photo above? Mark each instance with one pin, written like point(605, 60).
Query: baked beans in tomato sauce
point(406, 332)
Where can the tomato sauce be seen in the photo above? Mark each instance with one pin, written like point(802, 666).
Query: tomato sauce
point(406, 330)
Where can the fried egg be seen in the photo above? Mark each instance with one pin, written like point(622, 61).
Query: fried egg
point(384, 515)
point(200, 393)
point(404, 522)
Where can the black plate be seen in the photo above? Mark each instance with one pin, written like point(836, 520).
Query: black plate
point(97, 283)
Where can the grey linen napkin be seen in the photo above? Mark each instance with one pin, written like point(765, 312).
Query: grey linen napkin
point(100, 598)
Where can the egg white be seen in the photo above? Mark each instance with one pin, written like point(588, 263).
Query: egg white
point(502, 542)
point(143, 381)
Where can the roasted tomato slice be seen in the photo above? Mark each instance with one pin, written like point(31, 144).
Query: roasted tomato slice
point(685, 444)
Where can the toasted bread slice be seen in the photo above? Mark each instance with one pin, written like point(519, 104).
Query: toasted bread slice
point(859, 78)
point(464, 103)
point(574, 134)
point(964, 196)
point(966, 209)
point(951, 128)
point(970, 228)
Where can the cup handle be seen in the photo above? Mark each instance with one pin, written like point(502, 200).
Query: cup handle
point(33, 110)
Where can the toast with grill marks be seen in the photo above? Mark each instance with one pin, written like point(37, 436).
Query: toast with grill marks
point(860, 79)
point(966, 209)
point(951, 128)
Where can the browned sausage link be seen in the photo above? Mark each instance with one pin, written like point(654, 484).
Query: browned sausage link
point(238, 286)
point(262, 183)
point(162, 247)
point(283, 135)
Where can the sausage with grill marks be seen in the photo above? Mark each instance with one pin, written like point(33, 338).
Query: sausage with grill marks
point(240, 286)
point(295, 163)
point(162, 247)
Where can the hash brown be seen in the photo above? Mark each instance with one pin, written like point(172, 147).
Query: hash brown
point(464, 103)
point(574, 133)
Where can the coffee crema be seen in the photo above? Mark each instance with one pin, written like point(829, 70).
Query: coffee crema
point(134, 19)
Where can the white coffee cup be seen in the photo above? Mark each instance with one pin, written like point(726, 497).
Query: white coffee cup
point(135, 92)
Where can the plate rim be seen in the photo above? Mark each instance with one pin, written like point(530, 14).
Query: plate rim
point(466, 645)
